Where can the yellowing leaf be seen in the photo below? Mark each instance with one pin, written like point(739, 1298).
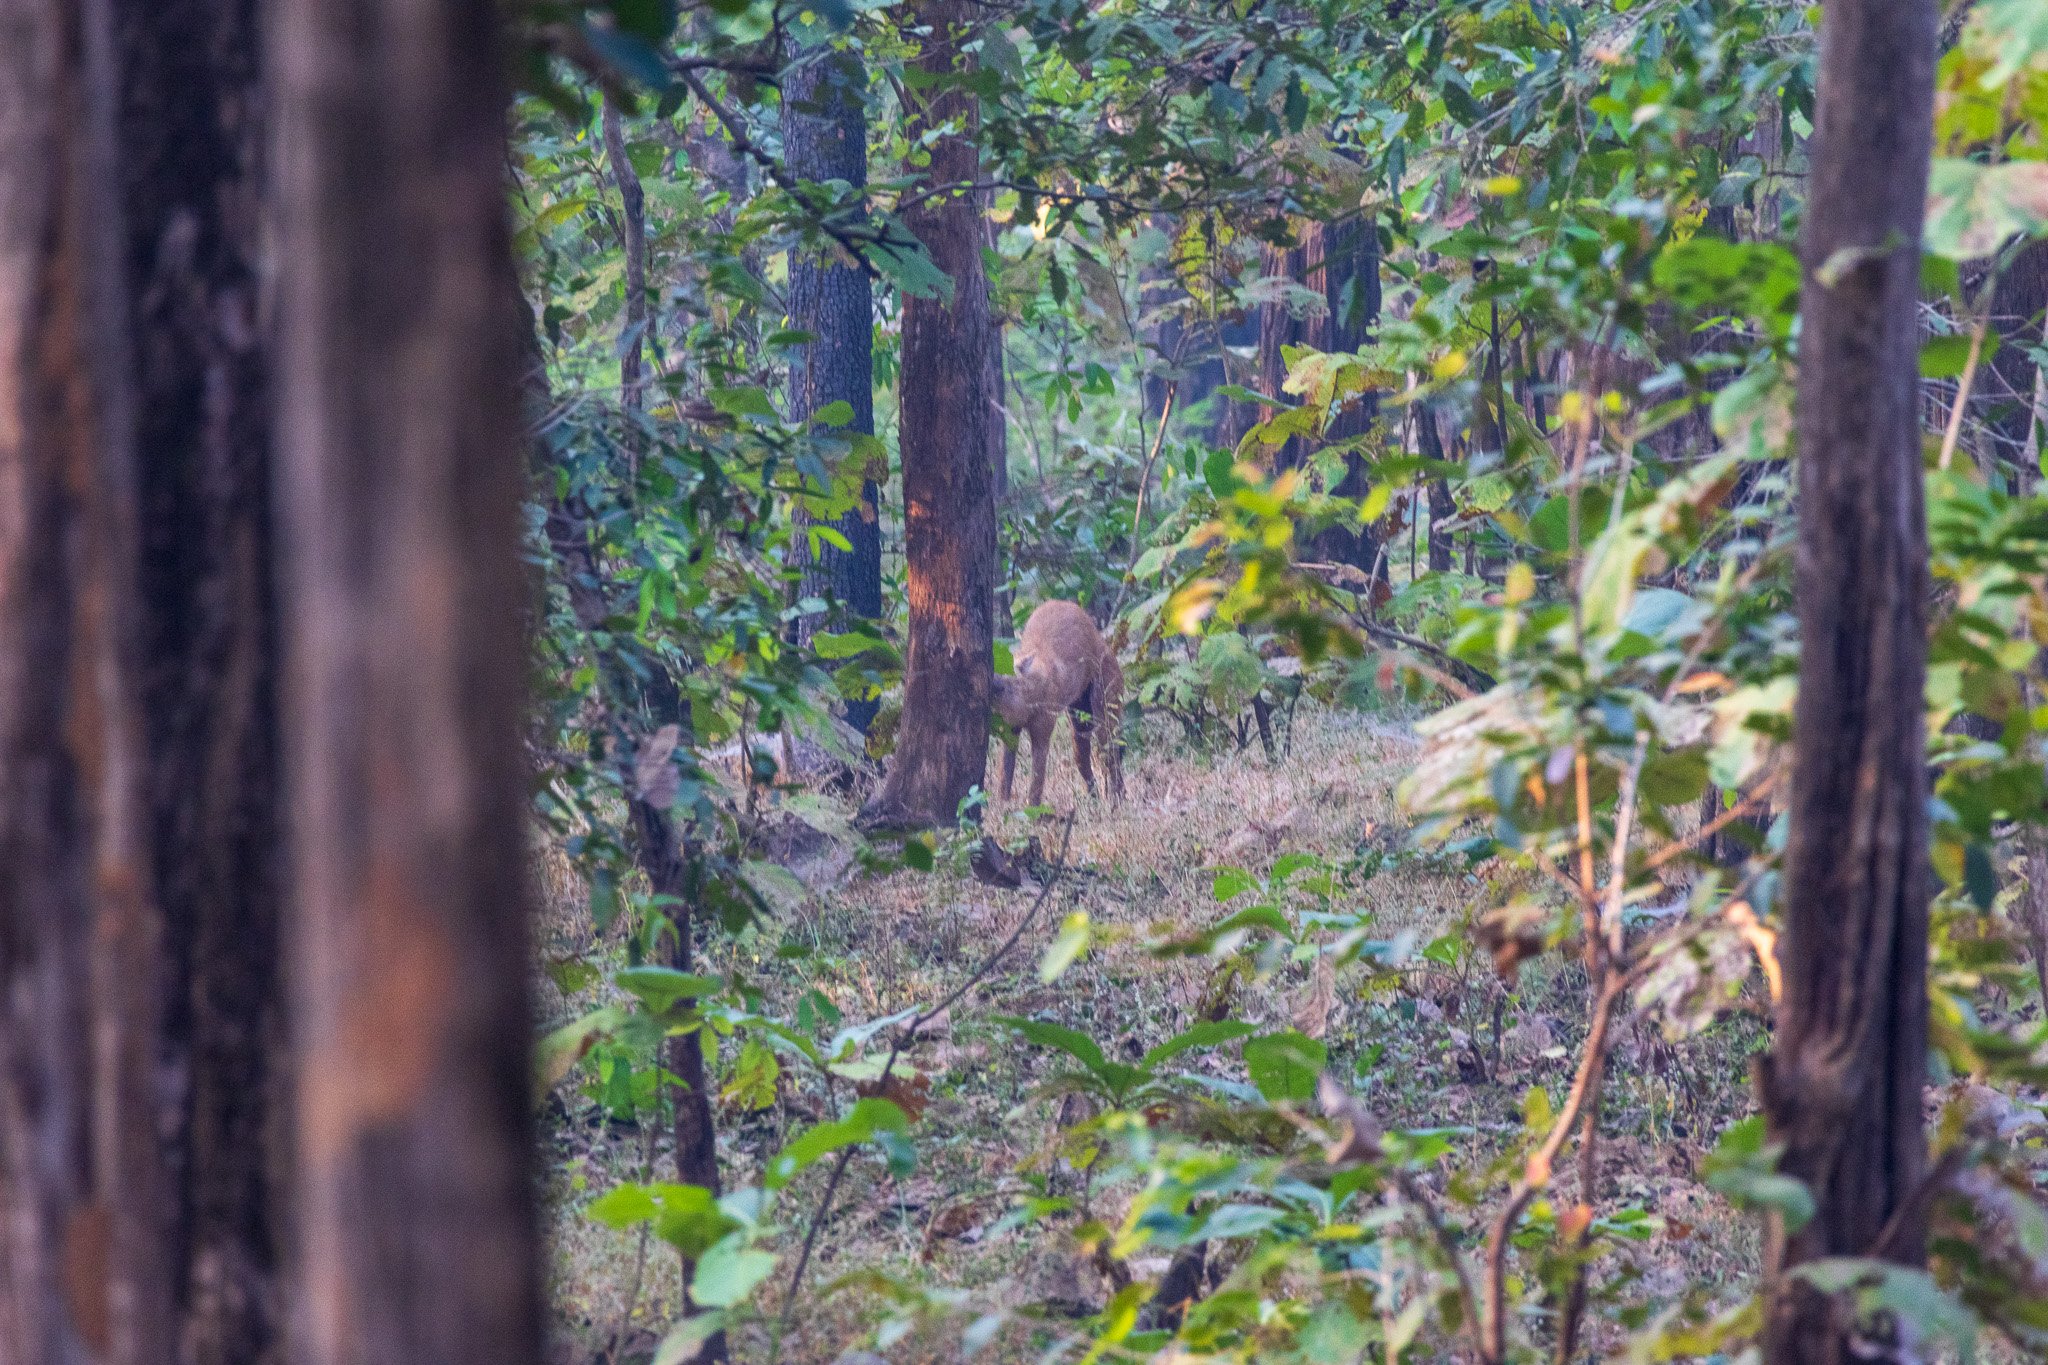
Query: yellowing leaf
point(1521, 584)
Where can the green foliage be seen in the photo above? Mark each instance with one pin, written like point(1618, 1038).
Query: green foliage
point(1584, 216)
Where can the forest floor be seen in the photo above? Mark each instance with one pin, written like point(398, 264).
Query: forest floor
point(1446, 1045)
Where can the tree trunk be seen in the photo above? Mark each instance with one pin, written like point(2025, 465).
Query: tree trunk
point(825, 137)
point(83, 1276)
point(1842, 1085)
point(194, 142)
point(400, 483)
point(1443, 508)
point(997, 380)
point(1350, 281)
point(949, 504)
point(633, 224)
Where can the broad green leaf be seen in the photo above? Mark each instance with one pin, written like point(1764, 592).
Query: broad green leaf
point(1284, 1066)
point(659, 988)
point(1207, 1034)
point(728, 1273)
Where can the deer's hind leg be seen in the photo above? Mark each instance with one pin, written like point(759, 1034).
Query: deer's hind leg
point(1041, 751)
point(1110, 692)
point(1083, 714)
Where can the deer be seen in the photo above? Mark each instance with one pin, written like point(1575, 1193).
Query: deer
point(1062, 663)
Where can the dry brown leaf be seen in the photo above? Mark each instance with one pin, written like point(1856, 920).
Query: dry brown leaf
point(655, 779)
point(1360, 1132)
point(910, 1091)
point(1317, 1002)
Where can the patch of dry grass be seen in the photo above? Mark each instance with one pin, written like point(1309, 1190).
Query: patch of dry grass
point(1446, 1046)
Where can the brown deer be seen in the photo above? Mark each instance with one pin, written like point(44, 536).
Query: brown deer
point(1062, 663)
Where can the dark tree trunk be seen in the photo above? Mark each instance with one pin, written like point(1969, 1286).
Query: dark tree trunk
point(2009, 390)
point(633, 225)
point(997, 379)
point(193, 146)
point(1842, 1087)
point(825, 137)
point(83, 1275)
point(1351, 284)
point(948, 500)
point(399, 506)
point(1442, 506)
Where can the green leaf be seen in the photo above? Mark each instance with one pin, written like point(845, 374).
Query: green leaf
point(904, 263)
point(836, 413)
point(728, 1273)
point(1946, 357)
point(559, 1051)
point(686, 1338)
point(861, 1124)
point(845, 645)
point(744, 401)
point(1284, 1066)
point(1068, 945)
point(624, 1206)
point(1974, 209)
point(1207, 1034)
point(1230, 883)
point(659, 988)
point(1253, 917)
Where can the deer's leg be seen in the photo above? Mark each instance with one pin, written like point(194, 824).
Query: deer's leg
point(1009, 766)
point(1111, 692)
point(1041, 750)
point(1084, 725)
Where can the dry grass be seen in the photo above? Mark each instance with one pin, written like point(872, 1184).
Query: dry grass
point(879, 945)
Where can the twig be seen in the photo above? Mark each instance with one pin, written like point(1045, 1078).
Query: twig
point(855, 243)
point(903, 1038)
point(611, 1352)
point(1963, 387)
point(1536, 1174)
point(1471, 680)
point(1711, 828)
point(1446, 1240)
point(1144, 481)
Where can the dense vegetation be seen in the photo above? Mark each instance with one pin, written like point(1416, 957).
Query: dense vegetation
point(1563, 479)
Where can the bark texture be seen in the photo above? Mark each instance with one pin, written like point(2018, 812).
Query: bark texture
point(825, 137)
point(948, 495)
point(1842, 1087)
point(193, 131)
point(400, 480)
point(82, 1275)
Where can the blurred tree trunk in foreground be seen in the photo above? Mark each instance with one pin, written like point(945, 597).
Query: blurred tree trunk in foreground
point(400, 483)
point(142, 1110)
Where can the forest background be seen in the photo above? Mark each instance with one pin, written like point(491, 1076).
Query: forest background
point(1564, 481)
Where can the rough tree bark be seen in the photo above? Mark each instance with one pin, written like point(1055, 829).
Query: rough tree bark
point(948, 500)
point(1350, 281)
point(633, 222)
point(400, 480)
point(1842, 1087)
point(825, 137)
point(193, 145)
point(83, 1276)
